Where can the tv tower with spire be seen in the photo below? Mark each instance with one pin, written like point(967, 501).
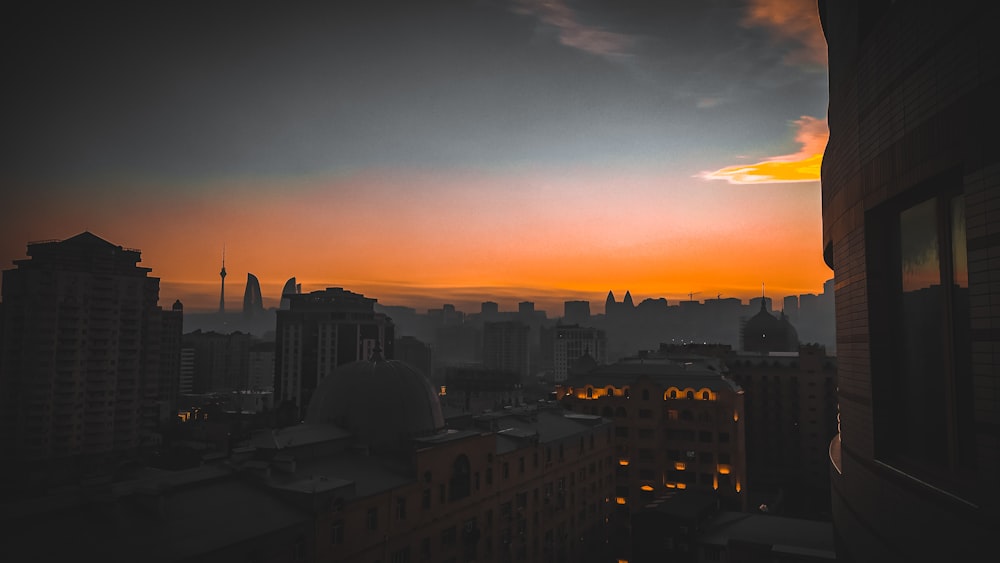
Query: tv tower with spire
point(222, 290)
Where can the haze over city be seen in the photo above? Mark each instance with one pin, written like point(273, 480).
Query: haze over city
point(451, 152)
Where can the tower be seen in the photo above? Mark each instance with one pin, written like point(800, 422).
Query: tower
point(83, 341)
point(222, 290)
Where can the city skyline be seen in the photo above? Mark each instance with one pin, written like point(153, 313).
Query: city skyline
point(452, 153)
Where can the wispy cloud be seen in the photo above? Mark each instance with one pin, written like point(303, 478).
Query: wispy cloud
point(573, 31)
point(802, 166)
point(796, 20)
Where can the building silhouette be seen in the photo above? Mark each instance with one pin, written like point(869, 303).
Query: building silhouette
point(320, 331)
point(911, 177)
point(253, 302)
point(505, 348)
point(765, 333)
point(576, 312)
point(222, 285)
point(291, 287)
point(570, 342)
point(89, 364)
point(791, 415)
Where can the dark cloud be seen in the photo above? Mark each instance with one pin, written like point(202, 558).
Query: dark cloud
point(201, 90)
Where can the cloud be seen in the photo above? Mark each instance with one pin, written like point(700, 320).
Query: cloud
point(802, 166)
point(796, 20)
point(573, 32)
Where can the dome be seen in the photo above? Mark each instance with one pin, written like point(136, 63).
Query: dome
point(765, 333)
point(382, 402)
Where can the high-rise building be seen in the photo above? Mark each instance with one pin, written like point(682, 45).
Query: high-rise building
point(573, 341)
point(505, 348)
point(911, 185)
point(253, 302)
point(89, 363)
point(319, 331)
point(576, 312)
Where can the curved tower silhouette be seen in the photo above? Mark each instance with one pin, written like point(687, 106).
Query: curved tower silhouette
point(253, 302)
point(290, 288)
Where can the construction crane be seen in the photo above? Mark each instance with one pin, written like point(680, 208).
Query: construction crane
point(692, 294)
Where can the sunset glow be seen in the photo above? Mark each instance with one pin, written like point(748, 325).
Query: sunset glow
point(517, 152)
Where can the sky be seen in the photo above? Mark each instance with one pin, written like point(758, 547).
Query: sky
point(425, 153)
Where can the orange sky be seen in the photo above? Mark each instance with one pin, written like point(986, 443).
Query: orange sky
point(536, 152)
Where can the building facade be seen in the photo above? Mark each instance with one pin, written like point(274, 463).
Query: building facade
point(506, 347)
point(320, 331)
point(573, 341)
point(90, 363)
point(911, 182)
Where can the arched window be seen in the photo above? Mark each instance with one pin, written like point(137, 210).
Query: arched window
point(611, 391)
point(460, 473)
point(625, 392)
point(690, 394)
point(673, 393)
point(645, 394)
point(590, 392)
point(705, 395)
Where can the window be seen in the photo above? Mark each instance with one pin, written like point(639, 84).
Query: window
point(337, 533)
point(400, 508)
point(645, 413)
point(723, 437)
point(918, 280)
point(426, 500)
point(372, 518)
point(645, 394)
point(506, 470)
point(460, 478)
point(448, 536)
point(401, 556)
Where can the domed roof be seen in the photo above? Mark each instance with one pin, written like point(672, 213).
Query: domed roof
point(382, 402)
point(765, 333)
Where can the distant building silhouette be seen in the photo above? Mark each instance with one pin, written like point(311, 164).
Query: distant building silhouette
point(253, 302)
point(505, 348)
point(290, 288)
point(576, 312)
point(573, 341)
point(764, 333)
point(89, 364)
point(222, 285)
point(320, 331)
point(911, 181)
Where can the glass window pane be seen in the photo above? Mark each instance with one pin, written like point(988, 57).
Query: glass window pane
point(922, 387)
point(959, 257)
point(919, 246)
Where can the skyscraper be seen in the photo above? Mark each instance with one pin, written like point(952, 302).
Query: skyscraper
point(89, 362)
point(319, 331)
point(505, 347)
point(253, 302)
